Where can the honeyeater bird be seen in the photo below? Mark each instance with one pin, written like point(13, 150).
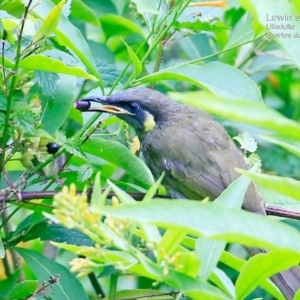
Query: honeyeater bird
point(195, 152)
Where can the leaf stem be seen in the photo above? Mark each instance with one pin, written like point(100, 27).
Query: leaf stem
point(5, 135)
point(113, 286)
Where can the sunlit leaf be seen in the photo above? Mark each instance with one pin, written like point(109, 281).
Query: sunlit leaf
point(49, 23)
point(221, 79)
point(204, 219)
point(45, 63)
point(248, 112)
point(285, 185)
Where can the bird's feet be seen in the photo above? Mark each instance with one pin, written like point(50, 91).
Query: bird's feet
point(218, 3)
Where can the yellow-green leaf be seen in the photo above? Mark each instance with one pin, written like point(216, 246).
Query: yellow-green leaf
point(44, 63)
point(50, 22)
point(283, 185)
point(138, 67)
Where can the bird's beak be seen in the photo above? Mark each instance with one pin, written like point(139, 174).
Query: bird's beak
point(86, 105)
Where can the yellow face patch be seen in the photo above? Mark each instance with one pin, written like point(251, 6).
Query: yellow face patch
point(149, 123)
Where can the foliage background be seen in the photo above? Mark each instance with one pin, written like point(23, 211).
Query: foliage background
point(230, 69)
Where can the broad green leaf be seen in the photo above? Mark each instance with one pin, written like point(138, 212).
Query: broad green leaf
point(67, 287)
point(263, 12)
point(221, 79)
point(82, 11)
point(255, 114)
point(190, 286)
point(209, 251)
point(285, 185)
point(49, 23)
point(56, 111)
point(237, 264)
point(286, 142)
point(221, 280)
point(262, 266)
point(6, 285)
point(121, 195)
point(138, 67)
point(235, 226)
point(151, 233)
point(45, 63)
point(69, 36)
point(170, 242)
point(241, 35)
point(117, 25)
point(24, 289)
point(147, 6)
point(121, 156)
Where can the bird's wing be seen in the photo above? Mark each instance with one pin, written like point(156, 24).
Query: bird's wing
point(199, 160)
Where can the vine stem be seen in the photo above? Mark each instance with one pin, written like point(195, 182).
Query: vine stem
point(5, 135)
point(113, 286)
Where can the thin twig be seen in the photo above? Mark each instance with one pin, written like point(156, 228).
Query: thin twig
point(4, 138)
point(271, 210)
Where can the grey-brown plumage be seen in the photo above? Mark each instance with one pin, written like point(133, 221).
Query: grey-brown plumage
point(195, 152)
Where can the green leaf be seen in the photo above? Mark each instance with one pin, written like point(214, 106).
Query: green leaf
point(47, 82)
point(235, 226)
point(146, 6)
point(247, 112)
point(284, 141)
point(284, 185)
point(73, 148)
point(50, 22)
point(6, 285)
point(67, 287)
point(121, 195)
point(221, 79)
point(138, 67)
point(56, 111)
point(24, 289)
point(191, 287)
point(246, 141)
point(209, 251)
point(44, 63)
point(119, 155)
point(68, 35)
point(220, 279)
point(262, 266)
point(241, 35)
point(96, 195)
point(83, 12)
point(85, 172)
point(120, 26)
point(153, 189)
point(109, 72)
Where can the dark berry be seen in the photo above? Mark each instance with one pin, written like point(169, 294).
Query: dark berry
point(52, 147)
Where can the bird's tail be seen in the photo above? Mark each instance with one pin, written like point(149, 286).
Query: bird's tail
point(288, 282)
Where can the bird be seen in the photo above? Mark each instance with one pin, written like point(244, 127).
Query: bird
point(194, 151)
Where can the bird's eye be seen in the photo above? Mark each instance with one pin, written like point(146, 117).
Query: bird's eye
point(134, 107)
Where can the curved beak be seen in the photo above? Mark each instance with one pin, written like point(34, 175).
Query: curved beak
point(85, 105)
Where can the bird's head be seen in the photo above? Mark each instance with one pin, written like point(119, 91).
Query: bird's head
point(142, 108)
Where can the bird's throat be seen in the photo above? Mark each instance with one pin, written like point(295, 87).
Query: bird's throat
point(149, 122)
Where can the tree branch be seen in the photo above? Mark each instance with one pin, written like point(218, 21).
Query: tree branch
point(271, 210)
